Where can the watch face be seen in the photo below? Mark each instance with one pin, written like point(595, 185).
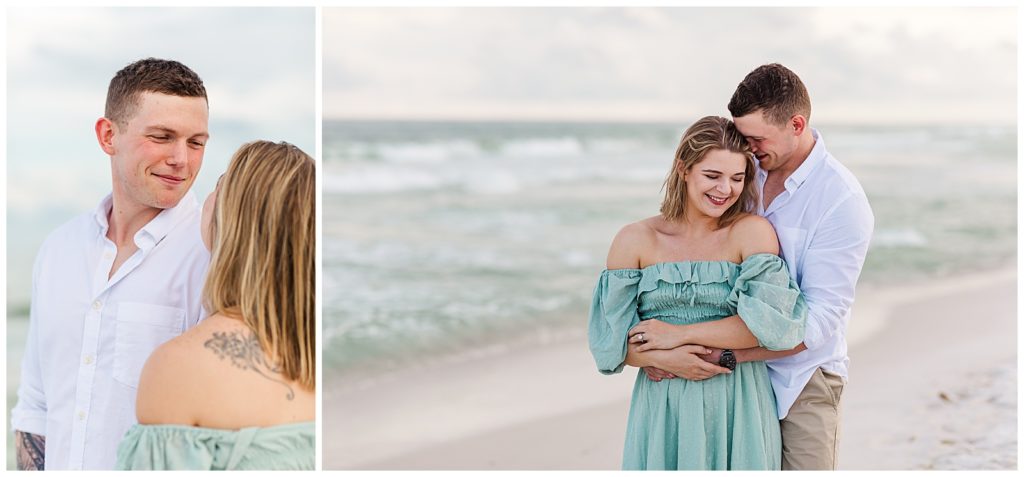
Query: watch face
point(727, 360)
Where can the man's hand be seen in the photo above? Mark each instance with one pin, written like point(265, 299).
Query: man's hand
point(656, 334)
point(30, 450)
point(688, 362)
point(714, 356)
point(656, 375)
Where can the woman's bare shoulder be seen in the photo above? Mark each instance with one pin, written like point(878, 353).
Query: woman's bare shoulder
point(176, 371)
point(162, 384)
point(753, 234)
point(217, 375)
point(630, 243)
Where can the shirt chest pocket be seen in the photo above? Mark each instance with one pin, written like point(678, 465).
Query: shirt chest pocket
point(141, 328)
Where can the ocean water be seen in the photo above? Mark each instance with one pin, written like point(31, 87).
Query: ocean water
point(447, 237)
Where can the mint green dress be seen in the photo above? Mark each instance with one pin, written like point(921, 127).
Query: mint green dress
point(176, 447)
point(728, 421)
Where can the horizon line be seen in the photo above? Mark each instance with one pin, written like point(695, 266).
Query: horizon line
point(851, 122)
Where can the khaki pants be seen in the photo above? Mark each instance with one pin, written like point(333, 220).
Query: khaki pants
point(810, 432)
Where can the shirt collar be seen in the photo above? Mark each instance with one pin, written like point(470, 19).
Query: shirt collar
point(816, 156)
point(102, 211)
point(158, 228)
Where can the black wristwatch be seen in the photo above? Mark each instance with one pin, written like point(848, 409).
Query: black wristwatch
point(727, 360)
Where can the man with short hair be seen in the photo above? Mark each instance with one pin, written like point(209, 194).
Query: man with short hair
point(824, 223)
point(111, 285)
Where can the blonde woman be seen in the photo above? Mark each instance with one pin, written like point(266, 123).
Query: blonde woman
point(705, 258)
point(237, 390)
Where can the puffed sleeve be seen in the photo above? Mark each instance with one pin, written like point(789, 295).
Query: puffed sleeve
point(613, 312)
point(769, 302)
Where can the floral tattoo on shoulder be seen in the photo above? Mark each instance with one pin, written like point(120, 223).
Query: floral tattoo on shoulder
point(245, 353)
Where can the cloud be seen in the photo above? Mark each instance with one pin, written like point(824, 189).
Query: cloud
point(665, 63)
point(242, 50)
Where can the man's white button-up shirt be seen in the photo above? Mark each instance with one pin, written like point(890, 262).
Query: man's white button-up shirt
point(824, 224)
point(89, 335)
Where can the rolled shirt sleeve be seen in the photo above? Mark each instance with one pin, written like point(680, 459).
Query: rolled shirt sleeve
point(832, 265)
point(29, 414)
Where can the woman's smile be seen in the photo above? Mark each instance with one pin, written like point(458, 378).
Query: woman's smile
point(717, 201)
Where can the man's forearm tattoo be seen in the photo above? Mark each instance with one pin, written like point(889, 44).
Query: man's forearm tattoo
point(245, 353)
point(30, 450)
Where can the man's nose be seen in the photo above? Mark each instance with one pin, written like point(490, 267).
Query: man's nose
point(178, 154)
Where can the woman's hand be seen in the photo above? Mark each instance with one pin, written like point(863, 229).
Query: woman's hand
point(686, 362)
point(656, 334)
point(656, 375)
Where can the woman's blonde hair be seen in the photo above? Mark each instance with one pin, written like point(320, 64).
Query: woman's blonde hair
point(707, 134)
point(263, 253)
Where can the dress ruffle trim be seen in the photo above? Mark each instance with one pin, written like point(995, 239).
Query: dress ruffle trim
point(696, 273)
point(286, 446)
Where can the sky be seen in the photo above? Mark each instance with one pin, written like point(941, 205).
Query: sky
point(861, 65)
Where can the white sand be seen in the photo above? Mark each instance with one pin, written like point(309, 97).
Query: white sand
point(937, 389)
point(546, 407)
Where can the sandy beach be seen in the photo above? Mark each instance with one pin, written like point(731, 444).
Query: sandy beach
point(932, 386)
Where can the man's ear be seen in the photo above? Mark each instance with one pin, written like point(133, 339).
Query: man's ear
point(799, 123)
point(105, 135)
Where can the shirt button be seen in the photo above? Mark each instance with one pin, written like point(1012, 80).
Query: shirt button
point(87, 360)
point(96, 305)
point(108, 256)
point(81, 415)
